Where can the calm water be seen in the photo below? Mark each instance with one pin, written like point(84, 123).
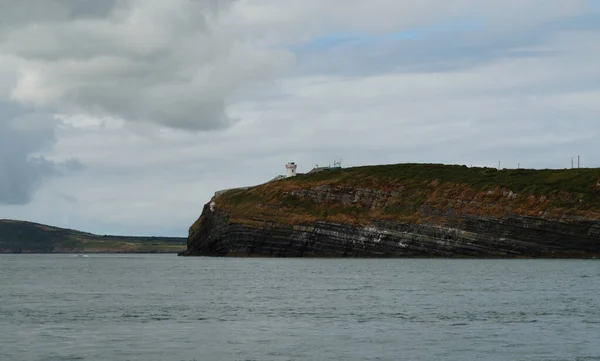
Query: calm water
point(161, 307)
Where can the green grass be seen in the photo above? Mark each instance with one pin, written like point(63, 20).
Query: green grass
point(476, 190)
point(525, 181)
point(517, 179)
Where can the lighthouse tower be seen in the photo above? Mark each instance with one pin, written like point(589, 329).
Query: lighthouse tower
point(290, 170)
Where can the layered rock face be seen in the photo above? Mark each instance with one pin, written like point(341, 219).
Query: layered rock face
point(300, 218)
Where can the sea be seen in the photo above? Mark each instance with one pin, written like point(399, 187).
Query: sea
point(163, 307)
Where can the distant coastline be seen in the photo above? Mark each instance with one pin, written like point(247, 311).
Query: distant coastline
point(22, 237)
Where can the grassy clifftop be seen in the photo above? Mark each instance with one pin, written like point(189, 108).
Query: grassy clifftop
point(28, 237)
point(401, 192)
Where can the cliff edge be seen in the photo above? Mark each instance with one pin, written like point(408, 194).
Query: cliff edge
point(407, 210)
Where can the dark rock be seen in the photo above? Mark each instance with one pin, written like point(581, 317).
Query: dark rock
point(460, 235)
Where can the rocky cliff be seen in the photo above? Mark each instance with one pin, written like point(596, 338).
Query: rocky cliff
point(407, 210)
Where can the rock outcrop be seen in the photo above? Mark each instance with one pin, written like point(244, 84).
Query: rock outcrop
point(344, 215)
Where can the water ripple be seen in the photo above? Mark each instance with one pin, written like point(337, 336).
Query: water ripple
point(160, 307)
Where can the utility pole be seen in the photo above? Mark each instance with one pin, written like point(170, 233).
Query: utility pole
point(518, 165)
point(577, 161)
point(498, 165)
point(571, 162)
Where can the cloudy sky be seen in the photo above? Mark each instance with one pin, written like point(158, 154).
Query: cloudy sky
point(124, 116)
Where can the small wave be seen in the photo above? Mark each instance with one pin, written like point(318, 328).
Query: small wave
point(519, 321)
point(131, 315)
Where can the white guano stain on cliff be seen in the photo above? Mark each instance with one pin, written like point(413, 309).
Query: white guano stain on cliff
point(373, 234)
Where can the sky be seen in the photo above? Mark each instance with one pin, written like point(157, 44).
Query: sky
point(125, 116)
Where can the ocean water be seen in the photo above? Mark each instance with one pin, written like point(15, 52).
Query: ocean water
point(163, 307)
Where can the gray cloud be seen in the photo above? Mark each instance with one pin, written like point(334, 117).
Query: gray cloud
point(17, 14)
point(146, 61)
point(22, 168)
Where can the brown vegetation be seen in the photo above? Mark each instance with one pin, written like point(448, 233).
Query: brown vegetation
point(415, 193)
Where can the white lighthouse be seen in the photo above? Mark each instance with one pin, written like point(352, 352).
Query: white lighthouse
point(290, 169)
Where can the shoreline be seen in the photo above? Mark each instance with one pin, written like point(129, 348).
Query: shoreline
point(96, 252)
point(541, 257)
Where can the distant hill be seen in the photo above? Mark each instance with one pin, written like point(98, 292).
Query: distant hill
point(28, 237)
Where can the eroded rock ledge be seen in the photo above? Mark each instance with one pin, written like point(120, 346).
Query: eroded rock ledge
point(470, 237)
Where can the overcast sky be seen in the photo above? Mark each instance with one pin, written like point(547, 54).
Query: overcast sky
point(125, 116)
